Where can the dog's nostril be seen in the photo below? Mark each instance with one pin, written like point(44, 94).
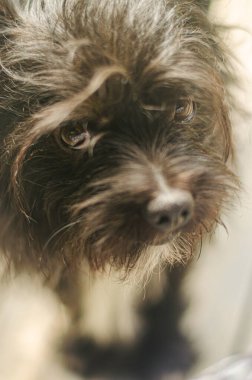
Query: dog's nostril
point(163, 220)
point(170, 210)
point(185, 213)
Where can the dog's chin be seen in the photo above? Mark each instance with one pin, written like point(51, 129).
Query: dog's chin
point(159, 239)
point(164, 240)
point(152, 239)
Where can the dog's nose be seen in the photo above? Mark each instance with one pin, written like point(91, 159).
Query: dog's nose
point(170, 210)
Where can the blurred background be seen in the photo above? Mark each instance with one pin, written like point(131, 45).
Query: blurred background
point(219, 286)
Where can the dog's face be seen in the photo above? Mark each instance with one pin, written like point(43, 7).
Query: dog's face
point(115, 132)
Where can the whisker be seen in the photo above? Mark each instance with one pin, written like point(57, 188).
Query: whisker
point(69, 225)
point(200, 246)
point(222, 224)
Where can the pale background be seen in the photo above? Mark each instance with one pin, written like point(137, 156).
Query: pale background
point(220, 286)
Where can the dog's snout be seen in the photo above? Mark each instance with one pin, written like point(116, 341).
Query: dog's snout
point(169, 211)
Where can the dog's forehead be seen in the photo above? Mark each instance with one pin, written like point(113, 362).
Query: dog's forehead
point(105, 58)
point(152, 45)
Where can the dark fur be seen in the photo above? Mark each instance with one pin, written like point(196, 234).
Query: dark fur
point(122, 65)
point(63, 205)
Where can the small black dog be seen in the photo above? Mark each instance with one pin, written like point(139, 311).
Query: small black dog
point(114, 133)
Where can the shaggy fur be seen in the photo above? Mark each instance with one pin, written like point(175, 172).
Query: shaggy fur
point(104, 105)
point(122, 67)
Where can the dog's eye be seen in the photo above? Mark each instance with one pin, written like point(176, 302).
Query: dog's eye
point(75, 135)
point(184, 110)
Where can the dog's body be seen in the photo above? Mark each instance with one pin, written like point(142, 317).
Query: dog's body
point(114, 136)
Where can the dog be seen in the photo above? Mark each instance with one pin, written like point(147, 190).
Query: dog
point(115, 141)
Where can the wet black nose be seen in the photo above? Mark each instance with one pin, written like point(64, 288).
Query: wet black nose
point(170, 210)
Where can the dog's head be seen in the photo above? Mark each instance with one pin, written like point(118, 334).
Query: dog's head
point(115, 131)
